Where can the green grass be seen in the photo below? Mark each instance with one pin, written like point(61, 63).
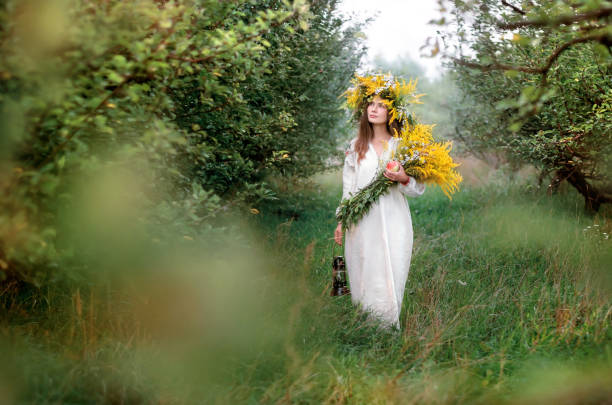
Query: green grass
point(501, 281)
point(507, 301)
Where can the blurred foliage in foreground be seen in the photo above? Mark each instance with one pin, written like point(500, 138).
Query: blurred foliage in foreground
point(183, 109)
point(508, 301)
point(535, 80)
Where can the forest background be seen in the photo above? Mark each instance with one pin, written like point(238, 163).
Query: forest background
point(168, 173)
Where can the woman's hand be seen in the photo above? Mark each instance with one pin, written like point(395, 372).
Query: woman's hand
point(338, 234)
point(399, 176)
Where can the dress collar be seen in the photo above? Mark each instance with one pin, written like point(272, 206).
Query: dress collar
point(384, 153)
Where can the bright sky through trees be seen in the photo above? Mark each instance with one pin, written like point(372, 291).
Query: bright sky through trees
point(401, 27)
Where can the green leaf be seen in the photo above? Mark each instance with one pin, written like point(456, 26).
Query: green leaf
point(119, 61)
point(511, 73)
point(114, 77)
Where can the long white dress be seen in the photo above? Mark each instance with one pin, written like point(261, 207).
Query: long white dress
point(378, 249)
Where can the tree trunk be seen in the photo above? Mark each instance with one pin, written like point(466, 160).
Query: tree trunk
point(593, 197)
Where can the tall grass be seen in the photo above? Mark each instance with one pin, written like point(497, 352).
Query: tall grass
point(504, 279)
point(507, 301)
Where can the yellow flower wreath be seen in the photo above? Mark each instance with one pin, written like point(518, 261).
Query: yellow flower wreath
point(395, 94)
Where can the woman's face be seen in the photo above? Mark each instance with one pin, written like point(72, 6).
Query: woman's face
point(377, 111)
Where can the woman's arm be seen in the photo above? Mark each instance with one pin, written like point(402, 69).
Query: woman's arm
point(348, 172)
point(348, 180)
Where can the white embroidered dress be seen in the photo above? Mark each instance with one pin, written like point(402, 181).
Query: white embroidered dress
point(378, 248)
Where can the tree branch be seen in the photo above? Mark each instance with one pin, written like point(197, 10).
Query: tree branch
point(513, 7)
point(593, 197)
point(243, 40)
point(494, 66)
point(88, 117)
point(554, 22)
point(555, 55)
point(543, 70)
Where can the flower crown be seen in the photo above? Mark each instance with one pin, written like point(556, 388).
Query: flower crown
point(395, 95)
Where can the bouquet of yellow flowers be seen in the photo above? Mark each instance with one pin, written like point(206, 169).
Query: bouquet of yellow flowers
point(421, 157)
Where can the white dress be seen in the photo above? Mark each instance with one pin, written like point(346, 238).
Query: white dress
point(378, 248)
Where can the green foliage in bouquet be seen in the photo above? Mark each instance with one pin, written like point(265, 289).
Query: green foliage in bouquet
point(351, 210)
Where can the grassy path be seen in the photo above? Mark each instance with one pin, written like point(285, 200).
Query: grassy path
point(503, 303)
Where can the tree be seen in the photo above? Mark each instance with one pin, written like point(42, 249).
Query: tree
point(536, 83)
point(202, 98)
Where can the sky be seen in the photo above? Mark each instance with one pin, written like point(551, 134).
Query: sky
point(401, 27)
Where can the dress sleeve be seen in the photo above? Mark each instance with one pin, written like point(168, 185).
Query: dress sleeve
point(413, 188)
point(348, 172)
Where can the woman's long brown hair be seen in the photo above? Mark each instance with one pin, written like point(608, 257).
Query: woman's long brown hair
point(366, 133)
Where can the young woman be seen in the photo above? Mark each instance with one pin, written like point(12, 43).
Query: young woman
point(379, 247)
